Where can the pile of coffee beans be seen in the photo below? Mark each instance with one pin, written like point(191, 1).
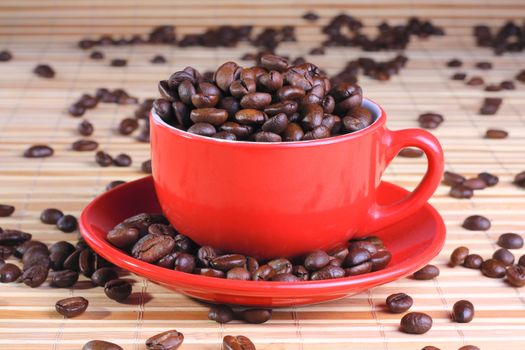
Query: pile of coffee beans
point(510, 37)
point(269, 103)
point(150, 238)
point(378, 70)
point(222, 36)
point(461, 187)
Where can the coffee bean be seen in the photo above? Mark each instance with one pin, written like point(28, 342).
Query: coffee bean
point(504, 255)
point(185, 263)
point(273, 62)
point(71, 307)
point(103, 159)
point(474, 183)
point(475, 81)
point(64, 279)
point(507, 85)
point(510, 241)
point(228, 262)
point(13, 237)
point(360, 269)
point(256, 100)
point(67, 223)
point(71, 262)
point(328, 272)
point(426, 273)
point(473, 261)
point(38, 151)
point(460, 192)
point(250, 117)
point(44, 71)
point(316, 260)
point(6, 210)
point(463, 311)
point(5, 253)
point(151, 248)
point(521, 261)
point(293, 132)
point(476, 223)
point(453, 179)
point(117, 289)
point(458, 256)
point(399, 303)
point(127, 126)
point(122, 160)
point(276, 124)
point(5, 56)
point(256, 316)
point(203, 129)
point(169, 340)
point(85, 128)
point(84, 145)
point(100, 345)
point(76, 109)
point(356, 256)
point(519, 179)
point(36, 255)
point(287, 107)
point(210, 272)
point(484, 65)
point(489, 179)
point(35, 276)
point(430, 120)
point(454, 63)
point(380, 260)
point(96, 55)
point(493, 268)
point(265, 136)
point(496, 134)
point(285, 277)
point(238, 273)
point(516, 275)
point(416, 323)
point(211, 116)
point(158, 59)
point(493, 87)
point(459, 76)
point(123, 236)
point(410, 153)
point(430, 347)
point(221, 313)
point(86, 262)
point(9, 273)
point(490, 105)
point(238, 342)
point(469, 347)
point(118, 62)
point(146, 166)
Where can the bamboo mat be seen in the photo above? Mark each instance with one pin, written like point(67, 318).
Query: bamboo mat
point(34, 110)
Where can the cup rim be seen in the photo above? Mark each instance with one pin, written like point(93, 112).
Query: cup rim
point(156, 120)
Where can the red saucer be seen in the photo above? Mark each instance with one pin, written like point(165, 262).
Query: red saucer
point(413, 243)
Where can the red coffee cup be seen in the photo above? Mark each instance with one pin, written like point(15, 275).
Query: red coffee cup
point(284, 199)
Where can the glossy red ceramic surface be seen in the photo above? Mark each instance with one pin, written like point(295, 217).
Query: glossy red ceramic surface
point(288, 198)
point(413, 242)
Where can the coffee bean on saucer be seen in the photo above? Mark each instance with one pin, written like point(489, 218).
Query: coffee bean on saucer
point(410, 153)
point(103, 159)
point(399, 303)
point(493, 268)
point(100, 345)
point(146, 166)
point(510, 241)
point(6, 210)
point(473, 261)
point(117, 289)
point(228, 262)
point(38, 151)
point(44, 71)
point(71, 307)
point(221, 313)
point(169, 340)
point(84, 145)
point(9, 273)
point(380, 260)
point(328, 272)
point(316, 260)
point(496, 134)
point(256, 316)
point(416, 323)
point(460, 192)
point(185, 263)
point(428, 272)
point(504, 255)
point(96, 55)
point(463, 311)
point(5, 56)
point(516, 275)
point(67, 223)
point(453, 179)
point(85, 128)
point(35, 275)
point(114, 184)
point(118, 62)
point(152, 247)
point(122, 160)
point(490, 179)
point(238, 273)
point(63, 279)
point(458, 256)
point(238, 342)
point(476, 223)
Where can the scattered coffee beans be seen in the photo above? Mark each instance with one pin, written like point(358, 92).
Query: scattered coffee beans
point(103, 159)
point(493, 268)
point(127, 126)
point(117, 289)
point(6, 210)
point(490, 180)
point(38, 151)
point(399, 303)
point(311, 16)
point(426, 273)
point(476, 223)
point(84, 145)
point(510, 241)
point(490, 105)
point(122, 160)
point(169, 340)
point(158, 59)
point(146, 166)
point(96, 55)
point(454, 63)
point(416, 323)
point(411, 153)
point(238, 342)
point(256, 316)
point(516, 275)
point(459, 76)
point(71, 307)
point(67, 223)
point(460, 192)
point(85, 128)
point(474, 183)
point(458, 256)
point(484, 65)
point(453, 179)
point(221, 313)
point(103, 275)
point(519, 179)
point(44, 71)
point(463, 311)
point(504, 255)
point(507, 38)
point(64, 279)
point(475, 81)
point(9, 273)
point(114, 184)
point(35, 275)
point(496, 134)
point(473, 261)
point(100, 345)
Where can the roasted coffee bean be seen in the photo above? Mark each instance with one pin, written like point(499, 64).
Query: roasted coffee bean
point(301, 272)
point(475, 81)
point(117, 289)
point(453, 179)
point(44, 71)
point(474, 183)
point(203, 129)
point(238, 273)
point(184, 244)
point(380, 260)
point(240, 131)
point(332, 122)
point(123, 236)
point(411, 153)
point(263, 273)
point(256, 316)
point(221, 313)
point(276, 124)
point(428, 272)
point(35, 275)
point(313, 117)
point(86, 262)
point(454, 63)
point(521, 261)
point(476, 223)
point(271, 81)
point(96, 55)
point(84, 145)
point(127, 126)
point(210, 272)
point(251, 265)
point(100, 345)
point(516, 275)
point(77, 109)
point(484, 65)
point(360, 269)
point(469, 347)
point(158, 59)
point(165, 109)
point(103, 159)
point(458, 256)
point(285, 277)
point(351, 124)
point(184, 263)
point(9, 273)
point(290, 93)
point(281, 265)
point(122, 160)
point(256, 100)
point(211, 116)
point(67, 223)
point(205, 254)
point(152, 247)
point(6, 210)
point(328, 272)
point(507, 85)
point(252, 117)
point(168, 261)
point(493, 87)
point(5, 56)
point(489, 179)
point(71, 263)
point(316, 260)
point(224, 135)
point(228, 262)
point(519, 179)
point(169, 340)
point(38, 151)
point(430, 347)
point(226, 74)
point(460, 192)
point(13, 237)
point(273, 62)
point(71, 307)
point(118, 62)
point(399, 303)
point(21, 249)
point(463, 311)
point(459, 76)
point(238, 342)
point(293, 132)
point(504, 255)
point(510, 241)
point(287, 107)
point(36, 255)
point(64, 279)
point(416, 323)
point(85, 128)
point(5, 252)
point(356, 256)
point(473, 261)
point(493, 268)
point(265, 136)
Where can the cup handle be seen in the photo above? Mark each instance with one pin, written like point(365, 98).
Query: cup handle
point(393, 141)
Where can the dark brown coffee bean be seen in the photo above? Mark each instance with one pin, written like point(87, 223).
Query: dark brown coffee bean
point(473, 261)
point(263, 273)
point(411, 153)
point(489, 179)
point(459, 76)
point(458, 256)
point(127, 126)
point(71, 307)
point(416, 323)
point(13, 237)
point(85, 128)
point(203, 129)
point(158, 59)
point(122, 160)
point(290, 93)
point(454, 63)
point(226, 74)
point(256, 100)
point(316, 260)
point(493, 87)
point(293, 132)
point(430, 347)
point(210, 272)
point(301, 272)
point(118, 62)
point(507, 85)
point(281, 265)
point(103, 159)
point(5, 56)
point(516, 275)
point(380, 260)
point(5, 252)
point(493, 268)
point(38, 151)
point(474, 183)
point(251, 117)
point(313, 117)
point(67, 223)
point(165, 109)
point(84, 145)
point(123, 236)
point(463, 311)
point(6, 210)
point(71, 262)
point(496, 134)
point(276, 124)
point(238, 273)
point(100, 345)
point(510, 241)
point(96, 55)
point(285, 277)
point(228, 262)
point(63, 279)
point(476, 223)
point(221, 313)
point(103, 275)
point(351, 124)
point(519, 179)
point(238, 342)
point(169, 340)
point(9, 273)
point(146, 166)
point(356, 256)
point(460, 192)
point(469, 347)
point(256, 316)
point(504, 255)
point(399, 303)
point(426, 273)
point(273, 62)
point(453, 179)
point(35, 276)
point(36, 255)
point(151, 248)
point(184, 263)
point(287, 107)
point(475, 81)
point(77, 109)
point(266, 136)
point(521, 261)
point(240, 131)
point(241, 87)
point(347, 96)
point(328, 272)
point(205, 254)
point(271, 81)
point(211, 116)
point(44, 71)
point(484, 65)
point(360, 269)
point(86, 262)
point(117, 289)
